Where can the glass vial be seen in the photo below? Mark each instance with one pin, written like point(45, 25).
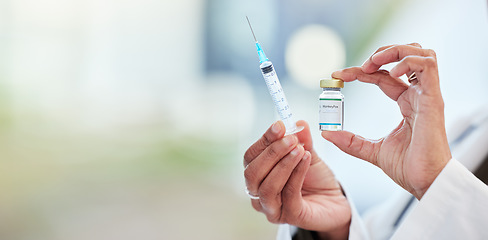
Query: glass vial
point(331, 105)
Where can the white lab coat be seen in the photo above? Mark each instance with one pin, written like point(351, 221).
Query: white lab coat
point(454, 207)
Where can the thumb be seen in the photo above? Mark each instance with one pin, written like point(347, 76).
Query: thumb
point(354, 145)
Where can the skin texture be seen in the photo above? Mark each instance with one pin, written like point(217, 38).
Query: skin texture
point(296, 187)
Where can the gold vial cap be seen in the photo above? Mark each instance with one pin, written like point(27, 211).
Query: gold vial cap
point(331, 83)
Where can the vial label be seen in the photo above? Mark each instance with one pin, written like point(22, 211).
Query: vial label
point(331, 114)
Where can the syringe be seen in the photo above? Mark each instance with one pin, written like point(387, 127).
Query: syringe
point(275, 89)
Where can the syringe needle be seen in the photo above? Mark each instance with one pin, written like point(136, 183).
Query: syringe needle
point(251, 29)
point(262, 56)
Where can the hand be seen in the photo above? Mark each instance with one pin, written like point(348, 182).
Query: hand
point(415, 152)
point(294, 185)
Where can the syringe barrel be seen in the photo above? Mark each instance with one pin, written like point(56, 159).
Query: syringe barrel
point(278, 96)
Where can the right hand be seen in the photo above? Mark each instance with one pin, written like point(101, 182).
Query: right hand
point(416, 151)
point(294, 185)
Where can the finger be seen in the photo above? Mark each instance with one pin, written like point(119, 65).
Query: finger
point(389, 46)
point(415, 44)
point(272, 186)
point(369, 60)
point(256, 205)
point(295, 181)
point(304, 136)
point(424, 67)
point(263, 164)
point(354, 145)
point(410, 73)
point(275, 132)
point(292, 192)
point(393, 87)
point(394, 54)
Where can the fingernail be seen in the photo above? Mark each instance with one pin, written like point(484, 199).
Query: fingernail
point(393, 72)
point(364, 63)
point(374, 55)
point(276, 128)
point(295, 151)
point(336, 74)
point(306, 156)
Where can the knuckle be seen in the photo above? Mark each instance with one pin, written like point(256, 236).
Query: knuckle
point(272, 151)
point(410, 59)
point(441, 104)
point(431, 53)
point(267, 140)
point(272, 207)
point(291, 161)
point(395, 47)
point(358, 145)
point(430, 62)
point(272, 218)
point(275, 217)
point(269, 196)
point(288, 217)
point(266, 192)
point(248, 155)
point(416, 44)
point(289, 192)
point(250, 174)
point(354, 144)
point(257, 147)
point(257, 206)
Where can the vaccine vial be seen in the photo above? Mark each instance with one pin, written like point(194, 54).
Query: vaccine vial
point(331, 105)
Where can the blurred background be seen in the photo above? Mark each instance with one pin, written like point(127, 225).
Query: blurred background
point(129, 119)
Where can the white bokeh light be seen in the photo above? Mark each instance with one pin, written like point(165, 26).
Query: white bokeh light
point(314, 52)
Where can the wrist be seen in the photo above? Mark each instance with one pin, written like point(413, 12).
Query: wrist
point(336, 234)
point(441, 165)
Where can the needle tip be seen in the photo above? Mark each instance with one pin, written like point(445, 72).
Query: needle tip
point(251, 29)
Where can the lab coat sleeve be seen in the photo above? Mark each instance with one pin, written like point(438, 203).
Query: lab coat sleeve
point(454, 207)
point(357, 229)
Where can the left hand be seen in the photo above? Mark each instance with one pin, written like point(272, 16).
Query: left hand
point(294, 185)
